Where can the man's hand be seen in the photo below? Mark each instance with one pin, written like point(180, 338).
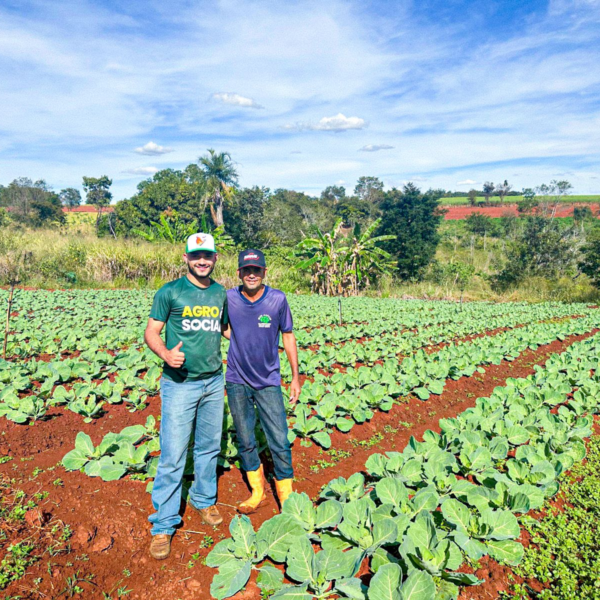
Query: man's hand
point(175, 357)
point(295, 391)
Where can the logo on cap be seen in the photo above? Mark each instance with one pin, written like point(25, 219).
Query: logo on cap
point(251, 257)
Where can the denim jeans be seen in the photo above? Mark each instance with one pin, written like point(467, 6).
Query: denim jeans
point(269, 401)
point(191, 407)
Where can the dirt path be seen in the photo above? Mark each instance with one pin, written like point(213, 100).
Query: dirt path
point(109, 519)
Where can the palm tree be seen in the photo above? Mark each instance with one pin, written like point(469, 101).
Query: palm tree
point(221, 179)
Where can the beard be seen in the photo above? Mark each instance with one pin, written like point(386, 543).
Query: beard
point(194, 274)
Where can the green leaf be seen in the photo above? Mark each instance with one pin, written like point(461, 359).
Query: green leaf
point(385, 583)
point(461, 578)
point(83, 443)
point(391, 491)
point(292, 592)
point(301, 508)
point(457, 513)
point(506, 551)
point(269, 578)
point(503, 524)
point(322, 438)
point(418, 586)
point(352, 588)
point(329, 514)
point(301, 561)
point(243, 537)
point(517, 435)
point(335, 564)
point(276, 535)
point(231, 578)
point(220, 554)
point(446, 591)
point(109, 470)
point(422, 393)
point(74, 460)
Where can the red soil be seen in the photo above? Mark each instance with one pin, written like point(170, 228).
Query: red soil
point(109, 519)
point(454, 213)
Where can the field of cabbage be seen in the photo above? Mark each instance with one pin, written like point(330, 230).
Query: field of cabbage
point(424, 432)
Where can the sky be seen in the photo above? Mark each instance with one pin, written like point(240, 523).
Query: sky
point(302, 94)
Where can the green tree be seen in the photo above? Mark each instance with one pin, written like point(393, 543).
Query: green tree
point(369, 189)
point(480, 224)
point(221, 178)
point(70, 197)
point(413, 219)
point(32, 203)
point(333, 193)
point(98, 194)
point(589, 262)
point(542, 248)
point(488, 190)
point(472, 196)
point(502, 189)
point(289, 213)
point(529, 201)
point(169, 189)
point(245, 217)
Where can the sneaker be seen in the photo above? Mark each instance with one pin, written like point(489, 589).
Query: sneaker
point(160, 547)
point(210, 515)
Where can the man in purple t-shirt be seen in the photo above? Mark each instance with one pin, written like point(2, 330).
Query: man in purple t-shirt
point(257, 314)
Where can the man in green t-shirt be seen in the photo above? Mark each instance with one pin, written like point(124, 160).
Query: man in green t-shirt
point(194, 310)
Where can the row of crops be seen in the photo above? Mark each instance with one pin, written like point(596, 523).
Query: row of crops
point(341, 401)
point(421, 513)
point(416, 516)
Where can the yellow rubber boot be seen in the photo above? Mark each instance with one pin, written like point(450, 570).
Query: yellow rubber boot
point(284, 489)
point(256, 479)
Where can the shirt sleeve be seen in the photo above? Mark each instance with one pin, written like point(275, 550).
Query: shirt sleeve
point(161, 305)
point(286, 323)
point(225, 316)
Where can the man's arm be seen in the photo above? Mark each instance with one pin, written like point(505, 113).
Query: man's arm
point(226, 331)
point(174, 357)
point(291, 351)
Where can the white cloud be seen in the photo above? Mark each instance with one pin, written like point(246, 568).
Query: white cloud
point(236, 100)
point(141, 171)
point(296, 152)
point(152, 149)
point(375, 147)
point(339, 122)
point(466, 182)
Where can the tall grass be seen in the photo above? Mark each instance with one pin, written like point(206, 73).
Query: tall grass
point(66, 259)
point(76, 258)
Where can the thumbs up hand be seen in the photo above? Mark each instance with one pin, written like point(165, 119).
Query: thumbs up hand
point(175, 357)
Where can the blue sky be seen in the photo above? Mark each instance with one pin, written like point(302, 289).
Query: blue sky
point(303, 94)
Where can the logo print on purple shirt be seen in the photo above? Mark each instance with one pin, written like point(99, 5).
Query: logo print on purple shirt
point(264, 321)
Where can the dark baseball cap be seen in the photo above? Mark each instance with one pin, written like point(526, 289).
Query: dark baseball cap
point(251, 258)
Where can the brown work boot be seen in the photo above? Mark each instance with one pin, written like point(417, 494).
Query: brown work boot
point(211, 515)
point(160, 547)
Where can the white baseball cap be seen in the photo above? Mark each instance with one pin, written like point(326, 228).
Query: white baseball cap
point(200, 242)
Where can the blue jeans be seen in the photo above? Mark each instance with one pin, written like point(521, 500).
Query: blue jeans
point(191, 407)
point(269, 401)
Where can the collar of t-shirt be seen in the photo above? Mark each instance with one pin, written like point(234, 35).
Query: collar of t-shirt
point(244, 299)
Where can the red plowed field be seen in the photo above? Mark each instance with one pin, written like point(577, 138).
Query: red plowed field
point(457, 213)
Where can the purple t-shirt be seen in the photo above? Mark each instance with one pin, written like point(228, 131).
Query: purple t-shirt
point(253, 357)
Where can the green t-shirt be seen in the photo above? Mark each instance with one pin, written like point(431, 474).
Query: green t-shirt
point(194, 316)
